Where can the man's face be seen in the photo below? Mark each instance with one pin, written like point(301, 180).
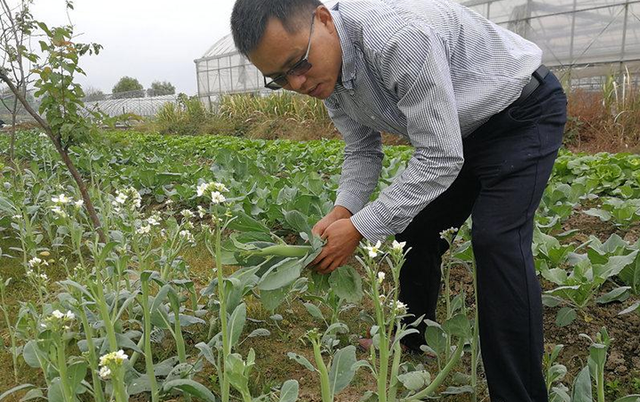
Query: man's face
point(279, 51)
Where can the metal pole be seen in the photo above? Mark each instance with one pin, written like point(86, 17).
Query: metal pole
point(624, 36)
point(573, 32)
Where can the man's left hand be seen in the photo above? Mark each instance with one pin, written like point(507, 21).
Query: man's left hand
point(342, 240)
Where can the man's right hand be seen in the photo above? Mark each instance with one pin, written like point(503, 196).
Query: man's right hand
point(338, 212)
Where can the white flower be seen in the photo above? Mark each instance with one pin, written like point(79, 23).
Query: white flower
point(113, 358)
point(44, 277)
point(153, 220)
point(208, 188)
point(448, 232)
point(58, 211)
point(217, 197)
point(57, 314)
point(220, 187)
point(373, 250)
point(128, 193)
point(398, 246)
point(121, 356)
point(144, 229)
point(121, 198)
point(16, 217)
point(202, 187)
point(399, 307)
point(187, 213)
point(187, 235)
point(380, 277)
point(70, 316)
point(43, 135)
point(35, 261)
point(201, 211)
point(78, 204)
point(61, 199)
point(105, 373)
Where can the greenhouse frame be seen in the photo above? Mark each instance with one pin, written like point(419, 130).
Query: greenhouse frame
point(584, 42)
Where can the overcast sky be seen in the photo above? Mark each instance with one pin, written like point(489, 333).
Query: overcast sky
point(145, 39)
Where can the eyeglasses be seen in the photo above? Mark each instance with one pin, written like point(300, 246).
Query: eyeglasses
point(298, 69)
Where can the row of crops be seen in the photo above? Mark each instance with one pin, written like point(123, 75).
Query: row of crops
point(85, 320)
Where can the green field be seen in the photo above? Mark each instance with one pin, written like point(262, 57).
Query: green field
point(185, 214)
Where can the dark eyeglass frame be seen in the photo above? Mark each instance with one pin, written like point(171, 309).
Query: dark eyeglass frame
point(298, 69)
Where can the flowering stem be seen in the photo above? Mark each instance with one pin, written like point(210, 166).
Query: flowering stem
point(104, 312)
point(12, 335)
point(226, 346)
point(383, 346)
point(148, 356)
point(475, 341)
point(62, 369)
point(395, 367)
point(93, 359)
point(440, 377)
point(325, 388)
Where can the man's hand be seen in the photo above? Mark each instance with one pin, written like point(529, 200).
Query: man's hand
point(342, 240)
point(338, 212)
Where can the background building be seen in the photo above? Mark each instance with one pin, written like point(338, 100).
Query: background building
point(583, 41)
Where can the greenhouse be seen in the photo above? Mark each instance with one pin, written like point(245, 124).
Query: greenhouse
point(222, 70)
point(145, 106)
point(583, 41)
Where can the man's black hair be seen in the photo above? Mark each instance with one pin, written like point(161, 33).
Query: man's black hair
point(250, 17)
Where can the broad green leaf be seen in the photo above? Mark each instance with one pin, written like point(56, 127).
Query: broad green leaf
point(347, 284)
point(314, 310)
point(582, 387)
point(259, 332)
point(565, 316)
point(245, 223)
point(297, 221)
point(301, 360)
point(281, 274)
point(15, 389)
point(600, 213)
point(341, 372)
point(271, 299)
point(630, 398)
point(415, 380)
point(31, 353)
point(190, 387)
point(236, 323)
point(635, 306)
point(76, 373)
point(617, 294)
point(458, 325)
point(54, 393)
point(289, 391)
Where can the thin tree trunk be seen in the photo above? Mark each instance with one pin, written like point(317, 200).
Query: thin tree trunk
point(63, 154)
point(13, 130)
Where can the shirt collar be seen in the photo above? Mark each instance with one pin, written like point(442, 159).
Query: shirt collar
point(348, 50)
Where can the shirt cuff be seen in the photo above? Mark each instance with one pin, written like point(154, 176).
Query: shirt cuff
point(350, 201)
point(373, 223)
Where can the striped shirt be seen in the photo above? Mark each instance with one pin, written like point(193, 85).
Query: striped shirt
point(429, 70)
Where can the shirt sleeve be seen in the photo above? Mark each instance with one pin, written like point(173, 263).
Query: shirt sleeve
point(414, 65)
point(362, 161)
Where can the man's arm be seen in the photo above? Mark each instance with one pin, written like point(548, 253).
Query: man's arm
point(362, 161)
point(414, 64)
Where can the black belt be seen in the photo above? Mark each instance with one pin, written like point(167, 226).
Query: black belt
point(536, 79)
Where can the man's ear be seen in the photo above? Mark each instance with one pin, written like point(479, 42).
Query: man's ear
point(325, 17)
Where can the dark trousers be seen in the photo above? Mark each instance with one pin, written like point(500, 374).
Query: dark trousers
point(508, 161)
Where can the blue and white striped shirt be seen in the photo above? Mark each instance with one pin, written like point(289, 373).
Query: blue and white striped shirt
point(430, 70)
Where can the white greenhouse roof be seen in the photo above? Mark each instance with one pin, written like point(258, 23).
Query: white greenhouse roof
point(222, 47)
